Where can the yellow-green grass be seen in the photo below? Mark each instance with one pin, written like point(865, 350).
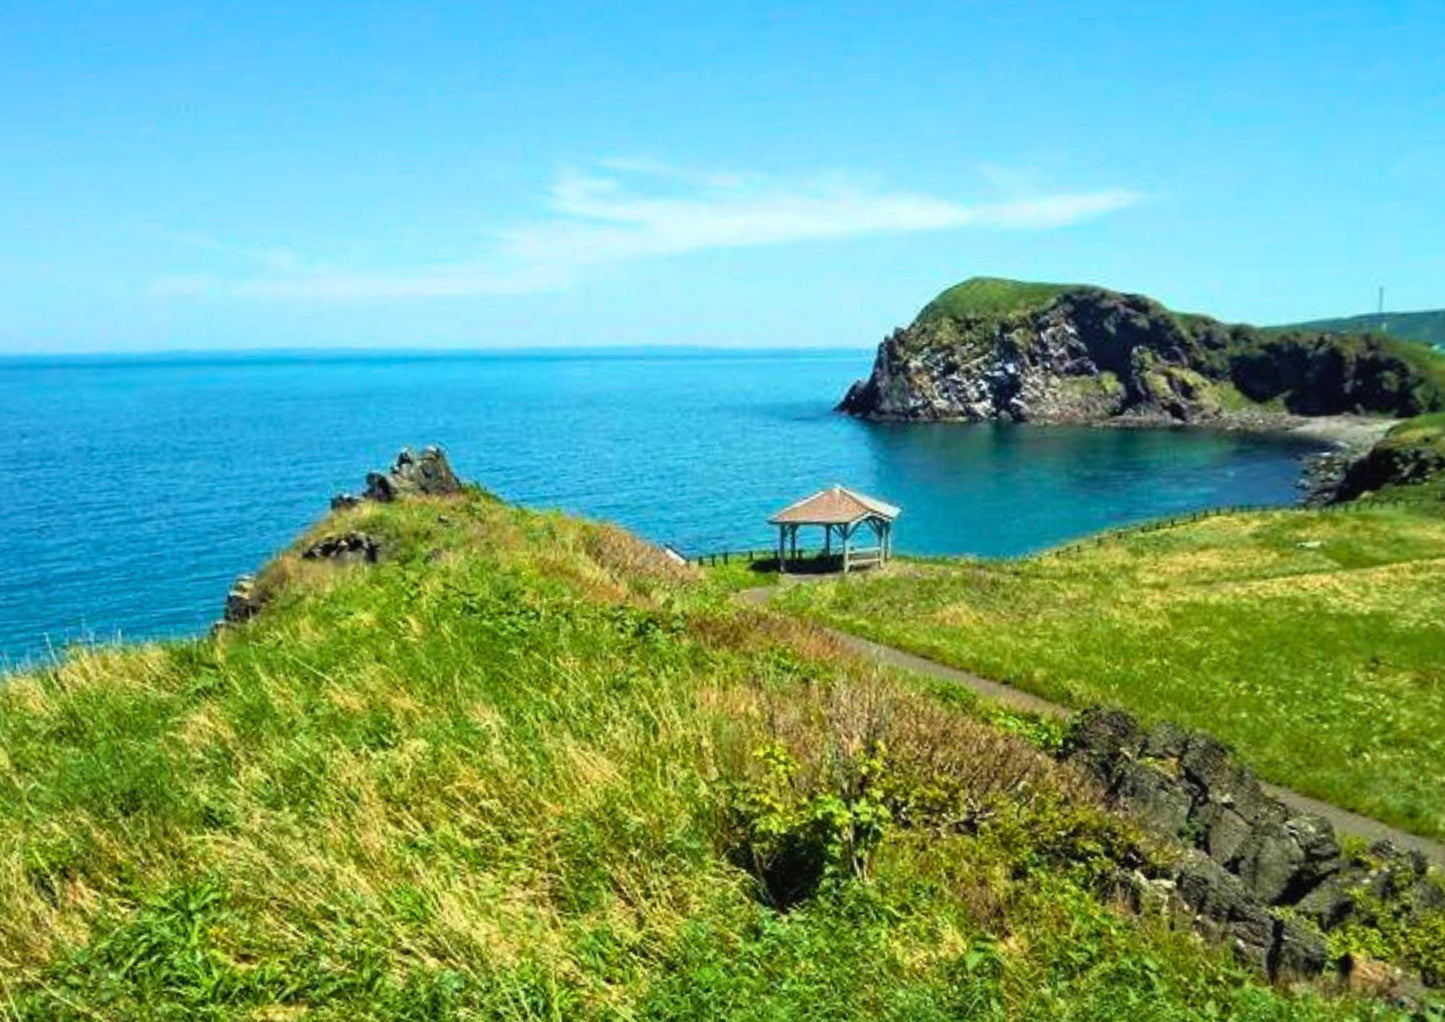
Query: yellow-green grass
point(525, 768)
point(1314, 642)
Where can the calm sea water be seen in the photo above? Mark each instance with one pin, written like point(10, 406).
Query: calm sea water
point(136, 490)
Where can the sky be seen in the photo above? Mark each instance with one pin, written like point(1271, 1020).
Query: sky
point(181, 176)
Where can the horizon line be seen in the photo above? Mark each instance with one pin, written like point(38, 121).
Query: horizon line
point(355, 351)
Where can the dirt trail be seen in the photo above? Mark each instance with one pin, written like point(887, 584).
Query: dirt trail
point(1345, 822)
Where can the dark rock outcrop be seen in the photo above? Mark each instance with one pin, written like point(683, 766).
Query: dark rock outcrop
point(347, 548)
point(243, 602)
point(427, 474)
point(1322, 479)
point(1089, 354)
point(414, 475)
point(1299, 951)
point(1247, 855)
point(1329, 904)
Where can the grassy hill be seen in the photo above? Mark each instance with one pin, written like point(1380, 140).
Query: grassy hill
point(1428, 327)
point(1312, 641)
point(994, 297)
point(524, 767)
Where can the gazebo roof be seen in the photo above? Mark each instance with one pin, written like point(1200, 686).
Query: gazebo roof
point(836, 505)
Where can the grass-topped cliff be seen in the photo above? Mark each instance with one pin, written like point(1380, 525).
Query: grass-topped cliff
point(1406, 466)
point(1001, 349)
point(524, 767)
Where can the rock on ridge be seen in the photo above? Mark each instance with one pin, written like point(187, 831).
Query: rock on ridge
point(347, 548)
point(243, 601)
point(427, 474)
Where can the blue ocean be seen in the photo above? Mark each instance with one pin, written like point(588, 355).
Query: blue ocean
point(138, 489)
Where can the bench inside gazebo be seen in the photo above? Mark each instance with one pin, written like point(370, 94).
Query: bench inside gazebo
point(841, 513)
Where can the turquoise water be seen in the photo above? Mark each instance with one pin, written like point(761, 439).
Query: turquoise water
point(136, 490)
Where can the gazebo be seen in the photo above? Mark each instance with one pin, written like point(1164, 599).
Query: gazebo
point(844, 511)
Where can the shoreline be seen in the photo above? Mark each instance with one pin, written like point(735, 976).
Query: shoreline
point(1353, 434)
point(1343, 435)
point(1348, 432)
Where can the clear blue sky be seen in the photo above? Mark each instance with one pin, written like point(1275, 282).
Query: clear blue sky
point(186, 176)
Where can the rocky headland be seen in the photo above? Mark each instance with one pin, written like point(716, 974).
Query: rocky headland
point(1002, 350)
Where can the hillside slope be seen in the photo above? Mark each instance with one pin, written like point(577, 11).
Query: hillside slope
point(999, 349)
point(472, 762)
point(1427, 327)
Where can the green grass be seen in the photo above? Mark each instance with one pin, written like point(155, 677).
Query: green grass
point(741, 572)
point(526, 768)
point(990, 297)
point(1313, 642)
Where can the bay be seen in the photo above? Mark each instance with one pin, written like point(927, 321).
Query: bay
point(138, 488)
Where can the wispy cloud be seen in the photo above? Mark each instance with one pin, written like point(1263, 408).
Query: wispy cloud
point(627, 210)
point(275, 259)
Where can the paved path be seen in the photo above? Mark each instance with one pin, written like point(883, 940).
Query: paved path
point(1344, 821)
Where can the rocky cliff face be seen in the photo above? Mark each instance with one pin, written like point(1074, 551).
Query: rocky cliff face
point(1088, 354)
point(1268, 880)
